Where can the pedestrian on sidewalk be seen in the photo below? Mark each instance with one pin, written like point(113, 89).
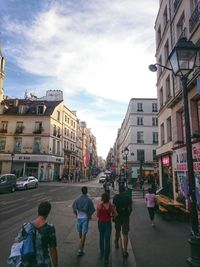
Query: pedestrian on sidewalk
point(123, 205)
point(151, 203)
point(105, 212)
point(45, 239)
point(83, 208)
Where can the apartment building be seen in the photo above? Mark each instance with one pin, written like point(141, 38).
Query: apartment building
point(138, 133)
point(176, 19)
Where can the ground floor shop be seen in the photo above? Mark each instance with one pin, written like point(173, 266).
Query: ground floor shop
point(181, 174)
point(44, 167)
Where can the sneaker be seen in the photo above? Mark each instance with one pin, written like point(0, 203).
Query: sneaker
point(80, 253)
point(125, 254)
point(116, 244)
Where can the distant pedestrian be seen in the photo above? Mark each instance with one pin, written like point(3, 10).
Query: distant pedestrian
point(106, 186)
point(83, 208)
point(105, 212)
point(151, 203)
point(123, 206)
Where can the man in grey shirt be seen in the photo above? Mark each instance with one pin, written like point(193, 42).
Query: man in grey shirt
point(83, 208)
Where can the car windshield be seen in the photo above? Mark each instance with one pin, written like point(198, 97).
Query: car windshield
point(22, 178)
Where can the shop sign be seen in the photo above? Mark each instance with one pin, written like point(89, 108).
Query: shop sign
point(165, 160)
point(180, 158)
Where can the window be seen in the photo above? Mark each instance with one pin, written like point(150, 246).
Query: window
point(38, 127)
point(140, 137)
point(65, 118)
point(155, 138)
point(161, 96)
point(167, 86)
point(4, 127)
point(139, 120)
point(2, 144)
point(165, 17)
point(23, 109)
point(140, 155)
point(40, 110)
point(58, 132)
point(154, 107)
point(18, 145)
point(65, 131)
point(166, 51)
point(139, 107)
point(37, 145)
point(58, 147)
point(181, 27)
point(154, 155)
point(169, 130)
point(158, 36)
point(154, 121)
point(58, 115)
point(159, 67)
point(162, 136)
point(54, 147)
point(54, 130)
point(19, 127)
point(65, 145)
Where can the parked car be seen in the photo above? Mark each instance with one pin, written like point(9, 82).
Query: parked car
point(102, 178)
point(26, 182)
point(7, 182)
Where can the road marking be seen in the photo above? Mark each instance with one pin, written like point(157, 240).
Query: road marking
point(5, 202)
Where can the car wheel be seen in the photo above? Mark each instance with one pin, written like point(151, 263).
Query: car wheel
point(36, 185)
point(26, 187)
point(12, 189)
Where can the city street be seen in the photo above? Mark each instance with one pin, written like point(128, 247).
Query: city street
point(162, 246)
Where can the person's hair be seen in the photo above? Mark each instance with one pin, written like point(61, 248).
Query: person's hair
point(84, 190)
point(44, 209)
point(121, 188)
point(150, 190)
point(105, 197)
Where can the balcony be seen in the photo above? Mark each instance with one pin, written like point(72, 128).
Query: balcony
point(176, 4)
point(3, 131)
point(38, 131)
point(195, 18)
point(19, 129)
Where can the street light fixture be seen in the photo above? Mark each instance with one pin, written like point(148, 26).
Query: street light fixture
point(183, 62)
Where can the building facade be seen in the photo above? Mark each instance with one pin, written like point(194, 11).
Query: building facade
point(139, 134)
point(176, 19)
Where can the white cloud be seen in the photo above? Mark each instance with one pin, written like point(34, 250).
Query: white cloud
point(102, 48)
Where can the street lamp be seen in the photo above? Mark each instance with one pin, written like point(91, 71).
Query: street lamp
point(125, 154)
point(12, 156)
point(183, 61)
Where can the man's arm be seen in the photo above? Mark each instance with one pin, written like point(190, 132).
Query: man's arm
point(54, 256)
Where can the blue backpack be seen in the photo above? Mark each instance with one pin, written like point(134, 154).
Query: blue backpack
point(28, 251)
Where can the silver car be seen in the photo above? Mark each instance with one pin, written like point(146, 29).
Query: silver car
point(26, 182)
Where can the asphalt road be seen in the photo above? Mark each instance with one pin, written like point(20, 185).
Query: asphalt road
point(21, 206)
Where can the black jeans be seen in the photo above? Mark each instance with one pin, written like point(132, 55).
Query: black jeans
point(105, 229)
point(151, 213)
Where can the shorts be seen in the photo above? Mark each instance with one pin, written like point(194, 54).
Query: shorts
point(82, 225)
point(122, 223)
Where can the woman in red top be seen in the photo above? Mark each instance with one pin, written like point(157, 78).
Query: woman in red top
point(105, 212)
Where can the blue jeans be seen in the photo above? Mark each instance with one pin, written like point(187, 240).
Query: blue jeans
point(105, 229)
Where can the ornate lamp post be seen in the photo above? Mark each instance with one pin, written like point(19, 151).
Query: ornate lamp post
point(183, 62)
point(125, 154)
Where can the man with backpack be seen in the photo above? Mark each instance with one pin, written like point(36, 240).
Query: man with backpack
point(123, 206)
point(38, 241)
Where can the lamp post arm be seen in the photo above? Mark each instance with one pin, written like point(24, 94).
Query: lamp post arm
point(192, 187)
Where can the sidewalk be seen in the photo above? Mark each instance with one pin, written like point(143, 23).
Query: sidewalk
point(163, 246)
point(68, 240)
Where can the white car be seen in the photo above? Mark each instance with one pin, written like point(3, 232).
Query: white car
point(26, 182)
point(102, 178)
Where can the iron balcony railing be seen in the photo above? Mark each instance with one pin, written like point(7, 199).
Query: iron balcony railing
point(195, 18)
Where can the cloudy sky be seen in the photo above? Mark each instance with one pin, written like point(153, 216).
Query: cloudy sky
point(96, 51)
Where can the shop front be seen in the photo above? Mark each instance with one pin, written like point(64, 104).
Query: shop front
point(167, 177)
point(181, 173)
